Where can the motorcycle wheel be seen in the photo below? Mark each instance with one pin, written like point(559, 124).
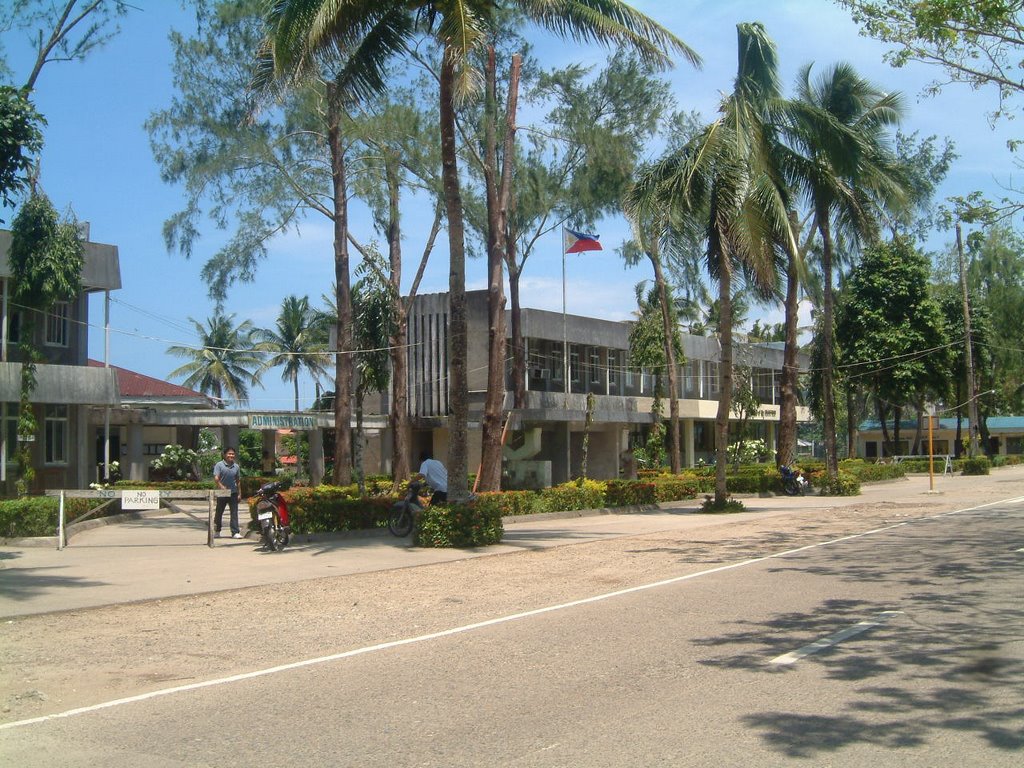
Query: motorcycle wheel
point(791, 487)
point(280, 534)
point(269, 536)
point(400, 521)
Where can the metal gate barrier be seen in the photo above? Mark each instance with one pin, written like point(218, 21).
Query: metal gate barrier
point(136, 499)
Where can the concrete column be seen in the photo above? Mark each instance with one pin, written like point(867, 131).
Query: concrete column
point(387, 447)
point(559, 453)
point(316, 456)
point(770, 440)
point(688, 449)
point(230, 438)
point(84, 461)
point(136, 461)
point(269, 443)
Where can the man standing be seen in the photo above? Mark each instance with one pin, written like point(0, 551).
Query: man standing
point(225, 474)
point(436, 476)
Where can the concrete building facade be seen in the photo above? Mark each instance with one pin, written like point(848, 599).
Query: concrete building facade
point(546, 446)
point(66, 387)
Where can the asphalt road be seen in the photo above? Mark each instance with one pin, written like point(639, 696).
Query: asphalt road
point(899, 646)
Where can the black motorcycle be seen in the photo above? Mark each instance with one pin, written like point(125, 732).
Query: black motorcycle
point(402, 516)
point(793, 481)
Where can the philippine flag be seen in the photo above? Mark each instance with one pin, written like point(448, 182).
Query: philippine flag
point(577, 242)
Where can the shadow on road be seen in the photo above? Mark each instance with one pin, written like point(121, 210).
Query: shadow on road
point(950, 661)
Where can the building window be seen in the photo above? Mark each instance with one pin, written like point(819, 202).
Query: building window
point(14, 327)
point(57, 332)
point(56, 434)
point(11, 431)
point(711, 370)
point(595, 366)
point(614, 369)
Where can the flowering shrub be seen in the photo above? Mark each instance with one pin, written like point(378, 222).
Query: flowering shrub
point(115, 475)
point(177, 463)
point(747, 452)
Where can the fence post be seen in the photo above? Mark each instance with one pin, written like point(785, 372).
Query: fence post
point(209, 521)
point(60, 522)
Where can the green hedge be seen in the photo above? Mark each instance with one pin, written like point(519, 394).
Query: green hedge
point(570, 496)
point(868, 472)
point(678, 487)
point(328, 508)
point(37, 515)
point(629, 493)
point(510, 503)
point(845, 484)
point(459, 525)
point(979, 465)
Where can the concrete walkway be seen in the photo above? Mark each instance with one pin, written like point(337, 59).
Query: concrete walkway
point(167, 555)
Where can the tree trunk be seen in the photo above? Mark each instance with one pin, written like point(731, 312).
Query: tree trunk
point(725, 379)
point(458, 385)
point(827, 379)
point(853, 416)
point(489, 477)
point(343, 296)
point(518, 346)
point(883, 414)
point(668, 328)
point(398, 416)
point(785, 453)
point(974, 431)
point(357, 452)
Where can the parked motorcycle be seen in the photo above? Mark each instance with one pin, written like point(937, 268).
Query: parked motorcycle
point(272, 515)
point(793, 481)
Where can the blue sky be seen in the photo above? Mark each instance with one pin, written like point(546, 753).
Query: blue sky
point(97, 160)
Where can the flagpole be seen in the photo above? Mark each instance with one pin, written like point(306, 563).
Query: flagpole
point(565, 335)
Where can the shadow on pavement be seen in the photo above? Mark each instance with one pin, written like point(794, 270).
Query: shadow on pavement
point(924, 672)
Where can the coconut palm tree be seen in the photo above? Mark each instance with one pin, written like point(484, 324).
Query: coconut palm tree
point(847, 173)
point(226, 364)
point(724, 178)
point(295, 343)
point(350, 67)
point(364, 33)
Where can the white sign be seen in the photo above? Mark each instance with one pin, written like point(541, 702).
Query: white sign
point(281, 421)
point(140, 499)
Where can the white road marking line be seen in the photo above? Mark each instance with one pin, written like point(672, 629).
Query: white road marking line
point(459, 630)
point(834, 639)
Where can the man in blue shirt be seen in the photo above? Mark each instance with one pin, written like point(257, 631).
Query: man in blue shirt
point(225, 474)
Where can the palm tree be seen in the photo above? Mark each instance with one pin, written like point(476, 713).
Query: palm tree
point(226, 364)
point(846, 173)
point(724, 178)
point(294, 344)
point(351, 67)
point(374, 318)
point(363, 34)
point(648, 241)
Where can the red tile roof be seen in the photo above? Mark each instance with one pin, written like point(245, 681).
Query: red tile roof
point(135, 385)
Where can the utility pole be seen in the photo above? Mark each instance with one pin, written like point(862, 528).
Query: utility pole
point(972, 393)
